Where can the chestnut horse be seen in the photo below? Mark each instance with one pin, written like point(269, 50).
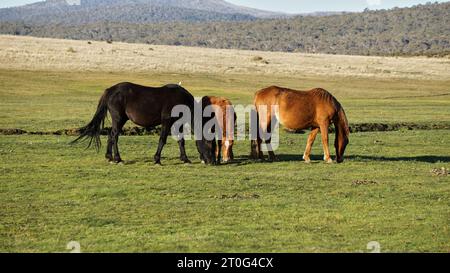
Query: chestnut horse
point(147, 107)
point(223, 108)
point(299, 110)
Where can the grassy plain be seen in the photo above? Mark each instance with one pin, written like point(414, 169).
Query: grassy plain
point(52, 193)
point(46, 101)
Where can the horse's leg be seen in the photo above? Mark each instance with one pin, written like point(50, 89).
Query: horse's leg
point(117, 126)
point(256, 145)
point(181, 144)
point(256, 152)
point(165, 131)
point(254, 149)
point(272, 156)
point(310, 143)
point(109, 147)
point(326, 148)
point(268, 142)
point(264, 127)
point(260, 153)
point(219, 151)
point(183, 155)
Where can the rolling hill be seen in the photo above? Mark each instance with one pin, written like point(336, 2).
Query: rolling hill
point(129, 11)
point(419, 30)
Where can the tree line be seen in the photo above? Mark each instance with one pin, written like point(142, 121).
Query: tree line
point(420, 30)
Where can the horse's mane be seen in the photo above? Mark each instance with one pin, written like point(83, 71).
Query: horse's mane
point(344, 121)
point(326, 96)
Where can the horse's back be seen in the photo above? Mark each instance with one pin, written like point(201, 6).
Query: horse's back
point(219, 101)
point(168, 94)
point(146, 105)
point(298, 109)
point(221, 104)
point(267, 96)
point(177, 89)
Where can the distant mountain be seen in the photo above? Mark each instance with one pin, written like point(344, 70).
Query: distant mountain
point(419, 30)
point(207, 5)
point(219, 6)
point(130, 11)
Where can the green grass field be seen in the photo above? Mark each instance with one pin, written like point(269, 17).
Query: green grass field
point(53, 193)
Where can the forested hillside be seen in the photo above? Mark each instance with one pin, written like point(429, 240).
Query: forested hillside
point(423, 29)
point(59, 12)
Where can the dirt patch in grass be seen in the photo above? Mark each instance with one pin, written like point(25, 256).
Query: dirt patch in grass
point(260, 59)
point(364, 182)
point(139, 131)
point(440, 172)
point(129, 131)
point(10, 132)
point(381, 127)
point(237, 196)
point(385, 127)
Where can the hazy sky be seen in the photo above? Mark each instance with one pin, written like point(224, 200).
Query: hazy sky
point(295, 6)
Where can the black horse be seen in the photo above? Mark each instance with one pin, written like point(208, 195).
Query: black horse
point(147, 107)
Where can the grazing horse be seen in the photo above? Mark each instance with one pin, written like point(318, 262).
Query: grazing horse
point(147, 107)
point(222, 109)
point(299, 110)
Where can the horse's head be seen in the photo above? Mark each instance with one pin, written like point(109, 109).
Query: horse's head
point(207, 151)
point(340, 145)
point(206, 141)
point(342, 135)
point(227, 150)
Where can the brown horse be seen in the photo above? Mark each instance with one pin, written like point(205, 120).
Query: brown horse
point(147, 107)
point(223, 108)
point(299, 110)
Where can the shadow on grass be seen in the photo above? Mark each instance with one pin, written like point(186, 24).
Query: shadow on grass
point(424, 158)
point(245, 160)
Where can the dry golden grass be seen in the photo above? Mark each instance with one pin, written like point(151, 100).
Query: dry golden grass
point(35, 54)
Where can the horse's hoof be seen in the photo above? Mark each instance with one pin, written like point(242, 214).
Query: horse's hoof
point(329, 161)
point(158, 163)
point(203, 162)
point(308, 161)
point(187, 162)
point(121, 163)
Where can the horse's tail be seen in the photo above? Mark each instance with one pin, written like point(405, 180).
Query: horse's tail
point(93, 130)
